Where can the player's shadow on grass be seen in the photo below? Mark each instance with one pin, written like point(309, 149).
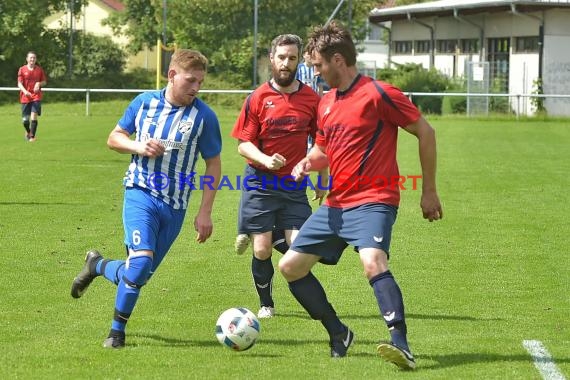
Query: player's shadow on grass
point(460, 359)
point(38, 203)
point(137, 339)
point(376, 316)
point(140, 340)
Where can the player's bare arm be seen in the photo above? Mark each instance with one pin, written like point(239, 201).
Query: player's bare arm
point(430, 203)
point(203, 220)
point(38, 86)
point(119, 140)
point(23, 89)
point(248, 150)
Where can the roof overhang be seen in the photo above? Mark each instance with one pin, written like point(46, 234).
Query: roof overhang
point(447, 8)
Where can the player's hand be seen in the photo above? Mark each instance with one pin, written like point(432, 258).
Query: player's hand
point(37, 87)
point(301, 170)
point(151, 148)
point(431, 206)
point(203, 226)
point(319, 195)
point(275, 162)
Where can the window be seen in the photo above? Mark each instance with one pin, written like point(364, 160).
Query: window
point(446, 46)
point(403, 47)
point(469, 45)
point(375, 33)
point(498, 56)
point(422, 47)
point(499, 45)
point(526, 44)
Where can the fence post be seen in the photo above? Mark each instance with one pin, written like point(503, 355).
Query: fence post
point(518, 105)
point(87, 102)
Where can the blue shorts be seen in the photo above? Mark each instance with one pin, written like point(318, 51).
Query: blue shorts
point(265, 205)
point(330, 230)
point(28, 108)
point(150, 223)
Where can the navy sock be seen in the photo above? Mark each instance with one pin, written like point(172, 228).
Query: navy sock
point(262, 272)
point(398, 335)
point(279, 241)
point(309, 292)
point(33, 128)
point(128, 290)
point(391, 306)
point(27, 125)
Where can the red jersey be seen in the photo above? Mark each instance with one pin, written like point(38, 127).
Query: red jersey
point(359, 130)
point(278, 122)
point(29, 77)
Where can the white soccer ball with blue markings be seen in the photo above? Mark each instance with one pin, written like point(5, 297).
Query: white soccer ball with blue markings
point(237, 328)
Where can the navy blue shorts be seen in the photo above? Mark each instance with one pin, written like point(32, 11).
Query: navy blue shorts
point(28, 108)
point(330, 230)
point(269, 202)
point(150, 223)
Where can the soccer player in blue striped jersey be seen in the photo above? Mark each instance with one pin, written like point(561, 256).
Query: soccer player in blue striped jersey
point(306, 74)
point(171, 129)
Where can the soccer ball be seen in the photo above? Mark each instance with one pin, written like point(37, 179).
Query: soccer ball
point(237, 328)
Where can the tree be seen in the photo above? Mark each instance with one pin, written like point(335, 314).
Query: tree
point(408, 2)
point(223, 29)
point(20, 32)
point(97, 60)
point(141, 21)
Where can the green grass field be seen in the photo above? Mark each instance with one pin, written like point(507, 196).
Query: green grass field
point(493, 273)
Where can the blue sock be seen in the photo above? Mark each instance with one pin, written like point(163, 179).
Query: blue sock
point(112, 270)
point(262, 271)
point(309, 292)
point(391, 306)
point(128, 289)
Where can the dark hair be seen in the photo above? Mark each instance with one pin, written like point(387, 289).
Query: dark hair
point(331, 39)
point(286, 39)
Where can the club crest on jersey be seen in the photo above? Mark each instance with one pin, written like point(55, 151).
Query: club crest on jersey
point(185, 126)
point(269, 104)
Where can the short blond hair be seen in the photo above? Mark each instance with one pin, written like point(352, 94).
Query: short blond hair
point(187, 59)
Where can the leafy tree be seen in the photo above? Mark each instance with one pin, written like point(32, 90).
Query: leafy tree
point(223, 29)
point(408, 2)
point(141, 21)
point(19, 33)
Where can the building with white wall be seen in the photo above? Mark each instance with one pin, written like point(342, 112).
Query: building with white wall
point(90, 19)
point(525, 42)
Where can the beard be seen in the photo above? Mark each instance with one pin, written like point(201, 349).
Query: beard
point(283, 78)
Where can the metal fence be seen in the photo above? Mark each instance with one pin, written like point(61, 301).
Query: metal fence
point(516, 101)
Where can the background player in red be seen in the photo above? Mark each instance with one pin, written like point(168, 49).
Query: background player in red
point(31, 79)
point(272, 129)
point(358, 124)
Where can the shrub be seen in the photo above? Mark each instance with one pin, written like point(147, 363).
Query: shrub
point(413, 77)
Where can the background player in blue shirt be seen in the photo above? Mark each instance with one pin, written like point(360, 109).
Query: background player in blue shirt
point(306, 74)
point(172, 127)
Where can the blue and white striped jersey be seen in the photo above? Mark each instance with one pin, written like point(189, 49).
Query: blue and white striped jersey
point(306, 75)
point(184, 131)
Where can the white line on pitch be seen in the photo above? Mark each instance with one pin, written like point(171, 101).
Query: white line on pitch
point(542, 360)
